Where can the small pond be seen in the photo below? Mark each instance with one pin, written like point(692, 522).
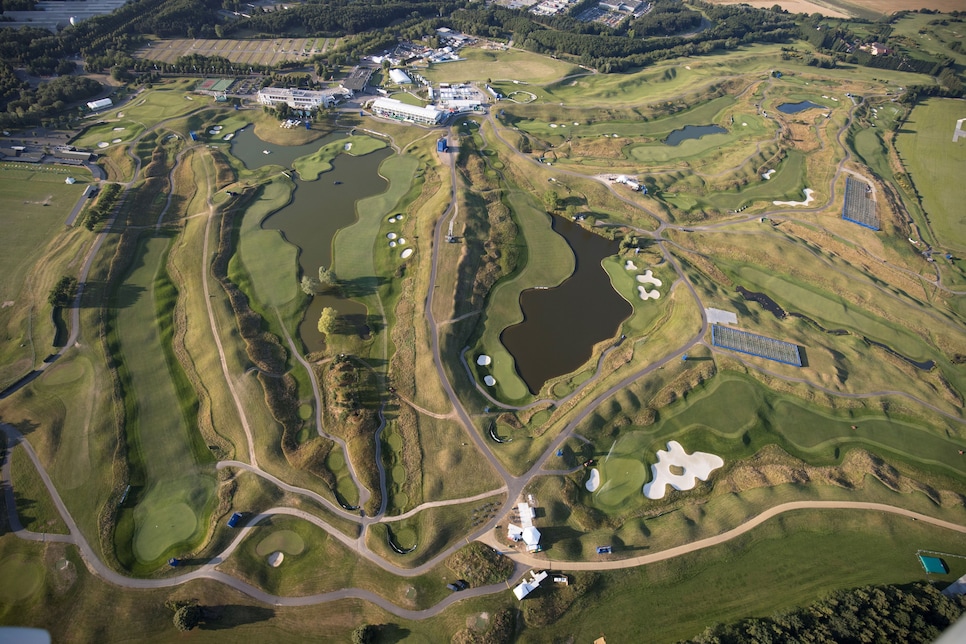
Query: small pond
point(561, 325)
point(692, 132)
point(795, 108)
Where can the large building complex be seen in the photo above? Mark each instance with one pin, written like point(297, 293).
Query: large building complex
point(393, 109)
point(302, 99)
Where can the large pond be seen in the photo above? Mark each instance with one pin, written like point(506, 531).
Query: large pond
point(692, 132)
point(561, 325)
point(795, 108)
point(317, 211)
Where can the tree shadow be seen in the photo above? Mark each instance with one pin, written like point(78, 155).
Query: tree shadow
point(96, 294)
point(392, 633)
point(217, 618)
point(361, 286)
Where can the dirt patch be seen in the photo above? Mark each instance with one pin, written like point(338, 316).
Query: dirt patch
point(599, 148)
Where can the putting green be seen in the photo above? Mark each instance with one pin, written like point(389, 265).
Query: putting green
point(165, 518)
point(21, 578)
point(623, 473)
point(285, 541)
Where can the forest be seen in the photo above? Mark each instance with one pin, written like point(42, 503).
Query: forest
point(915, 613)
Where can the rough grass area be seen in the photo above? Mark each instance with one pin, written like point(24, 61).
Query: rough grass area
point(480, 565)
point(34, 506)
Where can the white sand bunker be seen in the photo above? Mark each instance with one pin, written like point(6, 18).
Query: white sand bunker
point(392, 244)
point(275, 559)
point(767, 175)
point(630, 266)
point(648, 278)
point(696, 466)
point(391, 235)
point(489, 381)
point(118, 129)
point(347, 146)
point(406, 253)
point(392, 220)
point(594, 481)
point(808, 199)
point(103, 144)
point(115, 140)
point(401, 241)
point(484, 360)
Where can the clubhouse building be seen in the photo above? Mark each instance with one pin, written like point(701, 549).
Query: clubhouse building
point(302, 99)
point(392, 109)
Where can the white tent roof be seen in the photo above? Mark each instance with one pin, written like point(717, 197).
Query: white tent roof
point(514, 531)
point(531, 536)
point(523, 590)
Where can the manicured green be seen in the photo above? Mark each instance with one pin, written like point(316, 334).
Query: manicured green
point(287, 541)
point(310, 167)
point(22, 576)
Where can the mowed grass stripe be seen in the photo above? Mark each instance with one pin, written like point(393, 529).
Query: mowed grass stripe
point(163, 435)
point(936, 166)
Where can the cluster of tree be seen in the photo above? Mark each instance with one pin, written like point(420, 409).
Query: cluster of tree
point(32, 105)
point(63, 292)
point(187, 614)
point(613, 50)
point(340, 17)
point(105, 205)
point(914, 613)
point(17, 5)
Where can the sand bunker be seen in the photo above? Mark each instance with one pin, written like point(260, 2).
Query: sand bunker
point(406, 253)
point(392, 220)
point(103, 144)
point(696, 466)
point(808, 199)
point(630, 266)
point(643, 291)
point(484, 360)
point(118, 129)
point(392, 244)
point(489, 381)
point(767, 175)
point(115, 140)
point(391, 235)
point(275, 559)
point(348, 146)
point(594, 481)
point(401, 241)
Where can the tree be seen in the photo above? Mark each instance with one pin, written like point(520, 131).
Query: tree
point(365, 634)
point(327, 320)
point(309, 285)
point(187, 617)
point(551, 200)
point(327, 279)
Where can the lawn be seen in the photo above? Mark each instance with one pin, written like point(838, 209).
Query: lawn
point(926, 147)
point(177, 488)
point(269, 260)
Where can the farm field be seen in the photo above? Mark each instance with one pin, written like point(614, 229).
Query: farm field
point(240, 52)
point(204, 439)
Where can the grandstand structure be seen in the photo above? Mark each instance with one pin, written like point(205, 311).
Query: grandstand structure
point(755, 345)
point(859, 207)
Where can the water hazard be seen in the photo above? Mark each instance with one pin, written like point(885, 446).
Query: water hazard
point(316, 213)
point(795, 108)
point(692, 132)
point(561, 325)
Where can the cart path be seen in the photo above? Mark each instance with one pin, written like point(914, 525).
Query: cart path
point(710, 542)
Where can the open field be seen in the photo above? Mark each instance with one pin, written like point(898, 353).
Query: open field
point(479, 64)
point(926, 146)
point(34, 206)
point(240, 52)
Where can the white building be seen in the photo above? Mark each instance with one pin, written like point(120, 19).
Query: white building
point(400, 77)
point(528, 586)
point(302, 99)
point(393, 109)
point(528, 534)
point(100, 105)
